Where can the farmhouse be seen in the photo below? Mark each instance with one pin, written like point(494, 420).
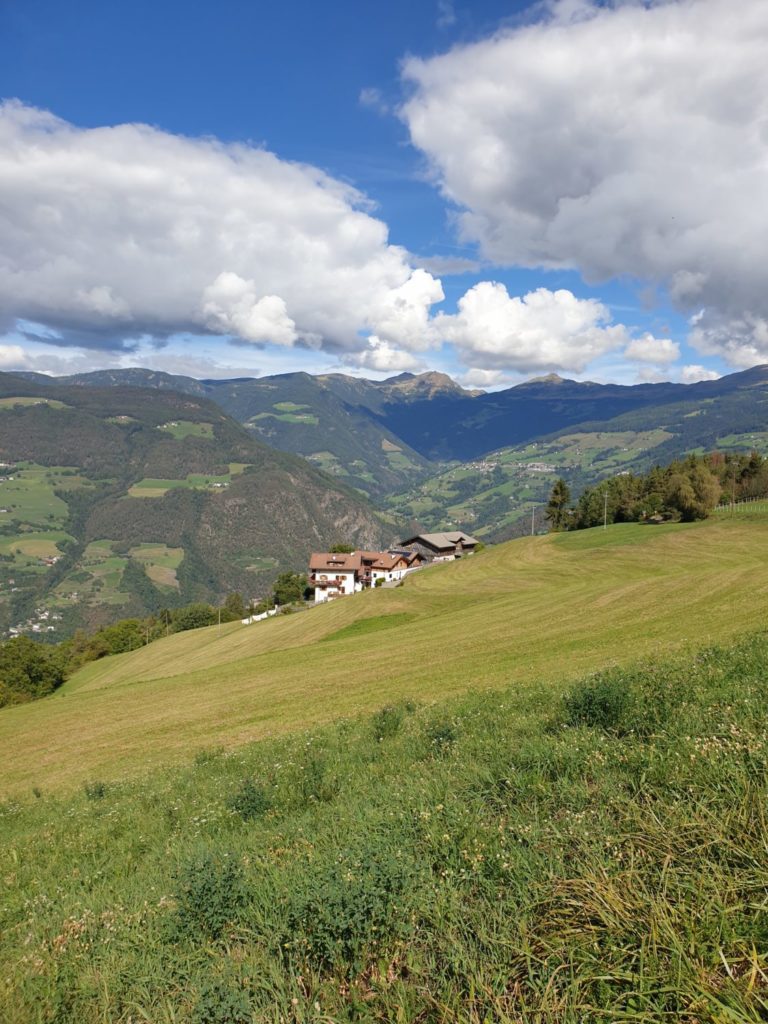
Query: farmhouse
point(441, 547)
point(387, 566)
point(336, 575)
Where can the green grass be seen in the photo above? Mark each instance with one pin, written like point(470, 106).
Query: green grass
point(160, 562)
point(287, 417)
point(373, 625)
point(12, 403)
point(577, 853)
point(186, 428)
point(155, 488)
point(528, 612)
point(29, 497)
point(289, 406)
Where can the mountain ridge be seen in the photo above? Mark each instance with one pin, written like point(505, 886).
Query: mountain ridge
point(159, 485)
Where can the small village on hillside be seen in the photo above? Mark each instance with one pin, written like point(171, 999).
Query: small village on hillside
point(337, 574)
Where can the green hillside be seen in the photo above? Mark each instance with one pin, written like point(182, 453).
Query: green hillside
point(330, 419)
point(121, 501)
point(493, 496)
point(548, 847)
point(532, 610)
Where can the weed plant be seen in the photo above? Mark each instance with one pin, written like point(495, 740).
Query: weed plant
point(498, 858)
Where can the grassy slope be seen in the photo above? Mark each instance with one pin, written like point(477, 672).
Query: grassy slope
point(529, 611)
point(505, 857)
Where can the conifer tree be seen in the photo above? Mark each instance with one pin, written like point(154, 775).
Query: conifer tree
point(557, 506)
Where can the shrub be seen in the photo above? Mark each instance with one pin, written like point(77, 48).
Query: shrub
point(250, 801)
point(387, 721)
point(95, 790)
point(317, 784)
point(442, 734)
point(350, 906)
point(212, 894)
point(221, 1001)
point(604, 701)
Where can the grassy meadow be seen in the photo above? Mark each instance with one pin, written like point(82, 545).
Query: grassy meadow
point(581, 853)
point(537, 611)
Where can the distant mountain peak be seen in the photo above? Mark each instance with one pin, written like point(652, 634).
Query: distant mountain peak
point(549, 378)
point(422, 385)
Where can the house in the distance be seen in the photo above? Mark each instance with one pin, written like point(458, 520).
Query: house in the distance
point(441, 547)
point(387, 566)
point(335, 575)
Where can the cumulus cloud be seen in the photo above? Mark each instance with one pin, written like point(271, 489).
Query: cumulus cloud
point(543, 330)
point(742, 340)
point(131, 231)
point(382, 357)
point(402, 314)
point(659, 351)
point(692, 373)
point(619, 139)
point(231, 306)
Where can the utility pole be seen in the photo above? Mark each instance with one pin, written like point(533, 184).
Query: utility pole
point(533, 514)
point(605, 511)
point(219, 620)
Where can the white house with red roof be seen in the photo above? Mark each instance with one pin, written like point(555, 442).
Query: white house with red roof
point(337, 575)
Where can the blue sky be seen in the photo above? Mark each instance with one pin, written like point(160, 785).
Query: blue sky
point(397, 101)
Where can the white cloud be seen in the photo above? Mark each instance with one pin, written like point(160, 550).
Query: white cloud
point(741, 340)
point(13, 357)
point(619, 139)
point(446, 14)
point(129, 230)
point(231, 306)
point(402, 314)
point(373, 99)
point(542, 331)
point(381, 357)
point(659, 351)
point(476, 378)
point(692, 373)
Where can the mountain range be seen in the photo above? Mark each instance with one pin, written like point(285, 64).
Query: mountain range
point(146, 488)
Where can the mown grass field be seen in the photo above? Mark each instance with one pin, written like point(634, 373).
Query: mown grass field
point(539, 611)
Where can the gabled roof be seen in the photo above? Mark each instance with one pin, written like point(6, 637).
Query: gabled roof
point(386, 561)
point(442, 541)
point(327, 561)
point(382, 559)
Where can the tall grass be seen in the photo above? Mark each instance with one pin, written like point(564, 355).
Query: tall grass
point(494, 858)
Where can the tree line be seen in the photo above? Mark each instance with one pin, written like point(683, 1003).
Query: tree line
point(685, 490)
point(30, 669)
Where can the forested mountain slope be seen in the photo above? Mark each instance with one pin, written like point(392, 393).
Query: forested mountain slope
point(117, 501)
point(494, 496)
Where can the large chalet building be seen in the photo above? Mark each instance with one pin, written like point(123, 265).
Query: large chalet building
point(441, 547)
point(333, 575)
